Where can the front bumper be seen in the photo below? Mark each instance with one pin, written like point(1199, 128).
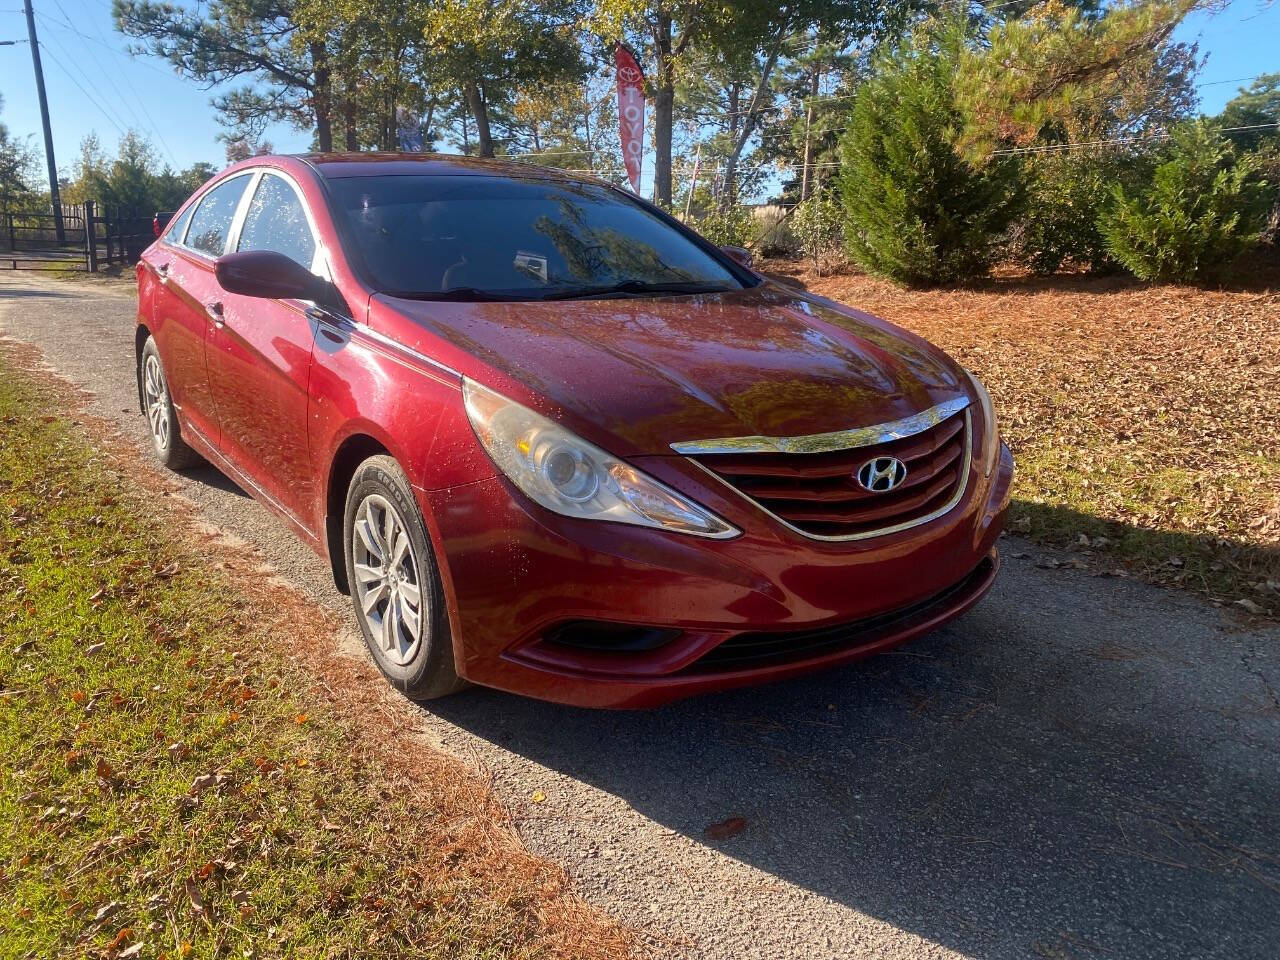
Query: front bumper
point(516, 577)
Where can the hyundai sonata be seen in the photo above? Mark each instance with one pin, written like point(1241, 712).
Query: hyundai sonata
point(553, 441)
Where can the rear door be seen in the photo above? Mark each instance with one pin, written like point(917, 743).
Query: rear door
point(259, 356)
point(180, 321)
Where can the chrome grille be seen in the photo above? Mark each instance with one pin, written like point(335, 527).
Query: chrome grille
point(819, 495)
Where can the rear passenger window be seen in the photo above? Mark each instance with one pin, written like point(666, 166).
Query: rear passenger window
point(211, 222)
point(174, 233)
point(276, 221)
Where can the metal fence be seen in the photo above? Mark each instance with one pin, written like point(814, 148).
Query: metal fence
point(92, 238)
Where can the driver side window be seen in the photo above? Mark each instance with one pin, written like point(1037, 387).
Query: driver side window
point(211, 222)
point(276, 221)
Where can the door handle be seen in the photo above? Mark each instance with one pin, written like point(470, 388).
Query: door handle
point(214, 309)
point(163, 270)
point(329, 325)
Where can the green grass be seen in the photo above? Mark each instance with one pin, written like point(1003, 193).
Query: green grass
point(1069, 504)
point(169, 786)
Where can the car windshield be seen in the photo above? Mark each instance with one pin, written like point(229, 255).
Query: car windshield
point(488, 238)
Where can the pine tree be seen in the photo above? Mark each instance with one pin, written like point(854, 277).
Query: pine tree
point(1200, 211)
point(918, 211)
point(17, 171)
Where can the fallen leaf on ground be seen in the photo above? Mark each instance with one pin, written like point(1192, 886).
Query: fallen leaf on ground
point(727, 828)
point(106, 910)
point(193, 895)
point(204, 782)
point(120, 938)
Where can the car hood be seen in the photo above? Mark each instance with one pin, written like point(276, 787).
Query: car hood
point(653, 371)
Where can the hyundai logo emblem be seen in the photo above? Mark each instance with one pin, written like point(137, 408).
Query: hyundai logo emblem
point(882, 474)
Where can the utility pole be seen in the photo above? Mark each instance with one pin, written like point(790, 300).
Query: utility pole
point(44, 118)
point(806, 181)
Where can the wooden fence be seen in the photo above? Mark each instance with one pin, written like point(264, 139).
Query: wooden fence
point(93, 237)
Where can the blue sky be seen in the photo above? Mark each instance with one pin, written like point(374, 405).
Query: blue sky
point(94, 85)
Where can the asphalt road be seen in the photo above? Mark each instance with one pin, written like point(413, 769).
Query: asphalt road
point(1080, 767)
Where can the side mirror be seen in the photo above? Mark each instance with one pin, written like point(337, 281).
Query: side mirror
point(265, 273)
point(160, 221)
point(739, 255)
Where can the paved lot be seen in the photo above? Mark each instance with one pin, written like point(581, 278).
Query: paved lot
point(1080, 767)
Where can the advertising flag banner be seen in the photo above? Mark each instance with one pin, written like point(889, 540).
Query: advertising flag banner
point(630, 112)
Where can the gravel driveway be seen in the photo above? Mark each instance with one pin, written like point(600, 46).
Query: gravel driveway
point(1081, 767)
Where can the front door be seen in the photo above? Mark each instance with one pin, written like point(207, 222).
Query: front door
point(183, 264)
point(259, 357)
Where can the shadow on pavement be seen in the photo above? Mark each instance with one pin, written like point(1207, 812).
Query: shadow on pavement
point(209, 475)
point(8, 292)
point(1080, 767)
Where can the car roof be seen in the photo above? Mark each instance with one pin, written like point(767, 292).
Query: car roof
point(337, 165)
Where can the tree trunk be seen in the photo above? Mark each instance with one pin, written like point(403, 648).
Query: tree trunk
point(664, 100)
point(426, 125)
point(393, 127)
point(752, 116)
point(806, 179)
point(350, 139)
point(480, 111)
point(320, 98)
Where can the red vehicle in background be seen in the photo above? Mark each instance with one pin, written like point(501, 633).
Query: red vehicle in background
point(554, 442)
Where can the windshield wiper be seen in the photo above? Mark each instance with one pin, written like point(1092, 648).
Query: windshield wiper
point(632, 288)
point(458, 294)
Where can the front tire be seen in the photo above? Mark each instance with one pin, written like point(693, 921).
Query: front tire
point(395, 586)
point(166, 436)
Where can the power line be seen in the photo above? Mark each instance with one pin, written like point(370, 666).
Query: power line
point(114, 116)
point(98, 64)
point(132, 59)
point(82, 90)
point(1218, 83)
point(1162, 135)
point(154, 127)
point(552, 153)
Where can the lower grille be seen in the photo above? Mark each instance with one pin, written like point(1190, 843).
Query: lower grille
point(819, 494)
point(610, 637)
point(748, 651)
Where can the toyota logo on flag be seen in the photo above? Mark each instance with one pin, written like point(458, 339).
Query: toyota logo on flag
point(630, 112)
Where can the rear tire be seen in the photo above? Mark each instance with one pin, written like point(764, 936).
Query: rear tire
point(395, 584)
point(166, 435)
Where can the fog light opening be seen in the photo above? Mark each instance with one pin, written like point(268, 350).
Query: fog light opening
point(609, 637)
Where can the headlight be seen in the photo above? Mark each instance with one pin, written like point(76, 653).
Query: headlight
point(564, 473)
point(990, 434)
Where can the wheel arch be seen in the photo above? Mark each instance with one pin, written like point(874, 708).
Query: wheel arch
point(353, 451)
point(140, 337)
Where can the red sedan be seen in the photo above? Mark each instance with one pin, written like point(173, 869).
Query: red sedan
point(551, 440)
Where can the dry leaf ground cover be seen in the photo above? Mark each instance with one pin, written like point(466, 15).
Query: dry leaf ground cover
point(1145, 419)
point(173, 786)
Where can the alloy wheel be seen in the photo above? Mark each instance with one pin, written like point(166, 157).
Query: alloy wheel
point(387, 580)
point(156, 396)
